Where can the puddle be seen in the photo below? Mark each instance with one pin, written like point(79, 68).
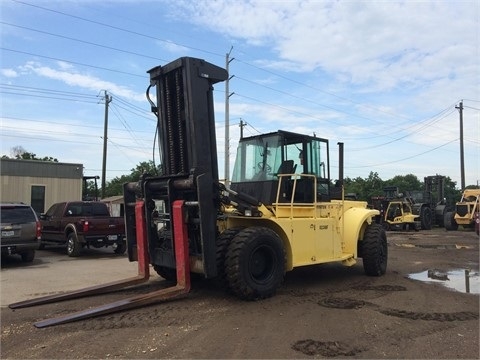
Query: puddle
point(454, 279)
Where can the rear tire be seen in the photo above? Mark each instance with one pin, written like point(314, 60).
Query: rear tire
point(374, 250)
point(255, 263)
point(449, 221)
point(426, 218)
point(74, 248)
point(28, 256)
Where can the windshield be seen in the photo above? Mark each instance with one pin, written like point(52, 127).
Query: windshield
point(257, 159)
point(264, 157)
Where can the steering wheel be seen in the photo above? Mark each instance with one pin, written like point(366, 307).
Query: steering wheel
point(268, 168)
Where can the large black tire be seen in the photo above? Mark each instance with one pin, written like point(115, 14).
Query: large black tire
point(374, 250)
point(28, 256)
point(167, 273)
point(74, 248)
point(255, 263)
point(426, 218)
point(222, 242)
point(449, 221)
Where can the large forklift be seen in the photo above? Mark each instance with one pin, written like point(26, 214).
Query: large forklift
point(396, 210)
point(430, 204)
point(280, 212)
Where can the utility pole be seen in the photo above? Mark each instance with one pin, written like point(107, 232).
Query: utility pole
point(242, 125)
point(108, 100)
point(462, 162)
point(227, 118)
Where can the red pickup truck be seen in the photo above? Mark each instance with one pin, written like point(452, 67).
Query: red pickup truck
point(80, 224)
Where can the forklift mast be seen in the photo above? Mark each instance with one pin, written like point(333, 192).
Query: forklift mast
point(188, 155)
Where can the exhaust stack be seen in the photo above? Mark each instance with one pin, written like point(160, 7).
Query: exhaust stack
point(340, 163)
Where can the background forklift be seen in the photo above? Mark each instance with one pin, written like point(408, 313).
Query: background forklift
point(466, 211)
point(396, 212)
point(430, 204)
point(279, 213)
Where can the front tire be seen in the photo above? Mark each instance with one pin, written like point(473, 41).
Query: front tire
point(374, 250)
point(223, 241)
point(167, 273)
point(74, 248)
point(255, 263)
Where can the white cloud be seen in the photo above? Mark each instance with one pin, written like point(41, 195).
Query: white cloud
point(384, 44)
point(85, 81)
point(173, 48)
point(9, 73)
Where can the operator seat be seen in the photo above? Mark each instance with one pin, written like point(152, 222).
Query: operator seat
point(287, 167)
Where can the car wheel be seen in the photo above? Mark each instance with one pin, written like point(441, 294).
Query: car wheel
point(74, 248)
point(28, 256)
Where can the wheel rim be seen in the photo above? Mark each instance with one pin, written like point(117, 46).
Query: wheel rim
point(70, 245)
point(262, 264)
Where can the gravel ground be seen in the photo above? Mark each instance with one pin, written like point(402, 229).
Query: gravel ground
point(326, 311)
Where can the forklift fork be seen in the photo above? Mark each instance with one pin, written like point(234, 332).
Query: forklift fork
point(181, 288)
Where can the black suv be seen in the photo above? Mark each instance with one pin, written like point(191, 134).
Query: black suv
point(20, 230)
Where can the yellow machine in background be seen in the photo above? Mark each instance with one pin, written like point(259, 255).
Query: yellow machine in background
point(465, 211)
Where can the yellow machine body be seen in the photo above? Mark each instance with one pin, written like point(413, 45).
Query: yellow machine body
point(312, 233)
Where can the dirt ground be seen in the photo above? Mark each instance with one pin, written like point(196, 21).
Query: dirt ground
point(326, 311)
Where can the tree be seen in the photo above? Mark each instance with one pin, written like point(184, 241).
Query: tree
point(115, 186)
point(405, 183)
point(18, 152)
point(365, 188)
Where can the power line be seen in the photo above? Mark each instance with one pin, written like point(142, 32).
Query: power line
point(47, 97)
point(74, 62)
point(431, 121)
point(407, 158)
point(82, 41)
point(90, 126)
point(116, 28)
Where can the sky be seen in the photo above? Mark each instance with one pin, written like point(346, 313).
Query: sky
point(386, 78)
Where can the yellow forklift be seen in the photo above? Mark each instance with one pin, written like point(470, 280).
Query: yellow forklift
point(280, 211)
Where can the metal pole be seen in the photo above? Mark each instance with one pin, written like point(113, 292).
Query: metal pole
point(467, 281)
point(227, 119)
point(462, 163)
point(108, 99)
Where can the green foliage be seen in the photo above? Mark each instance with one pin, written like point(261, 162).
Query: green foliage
point(405, 183)
point(18, 152)
point(115, 186)
point(373, 185)
point(365, 188)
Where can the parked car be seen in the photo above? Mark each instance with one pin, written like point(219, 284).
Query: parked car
point(80, 224)
point(20, 230)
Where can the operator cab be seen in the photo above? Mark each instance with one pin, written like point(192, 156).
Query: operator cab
point(263, 159)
